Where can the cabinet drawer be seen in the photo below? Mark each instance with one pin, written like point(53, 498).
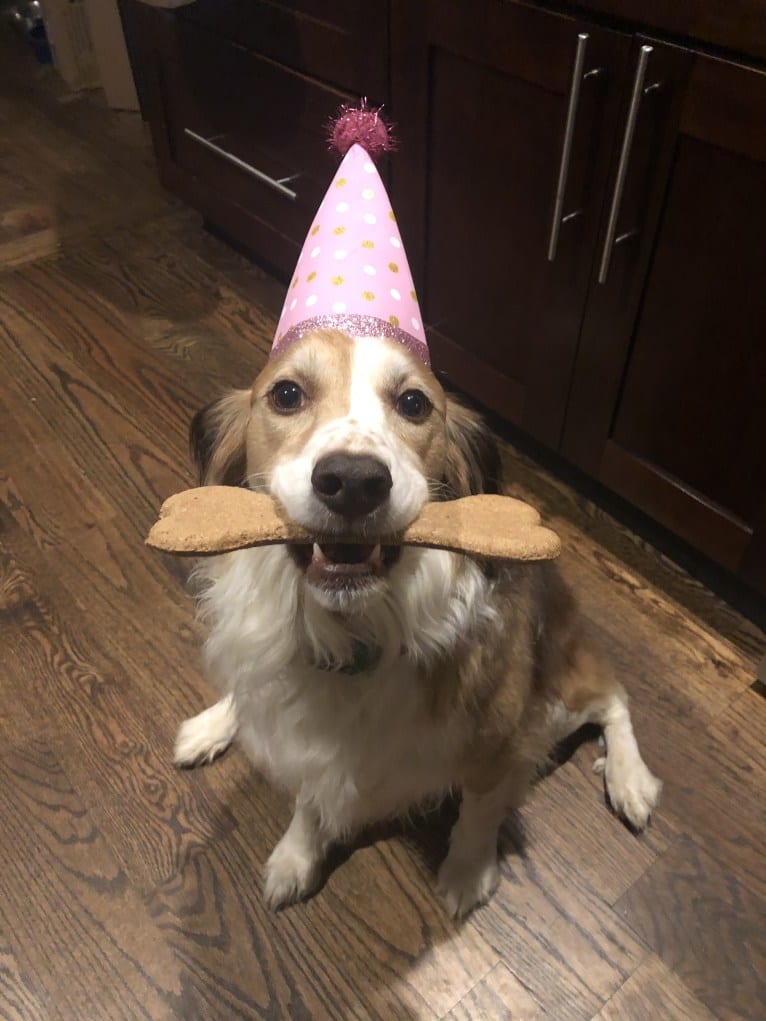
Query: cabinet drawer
point(250, 129)
point(338, 41)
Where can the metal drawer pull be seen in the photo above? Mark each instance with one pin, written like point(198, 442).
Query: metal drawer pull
point(622, 166)
point(566, 148)
point(277, 185)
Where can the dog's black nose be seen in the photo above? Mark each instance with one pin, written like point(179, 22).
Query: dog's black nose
point(351, 484)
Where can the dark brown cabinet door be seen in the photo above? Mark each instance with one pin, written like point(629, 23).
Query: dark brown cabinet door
point(256, 129)
point(239, 95)
point(340, 42)
point(482, 96)
point(668, 404)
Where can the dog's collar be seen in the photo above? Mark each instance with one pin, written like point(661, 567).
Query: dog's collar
point(364, 659)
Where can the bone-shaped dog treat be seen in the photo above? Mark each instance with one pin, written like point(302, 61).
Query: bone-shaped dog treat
point(219, 519)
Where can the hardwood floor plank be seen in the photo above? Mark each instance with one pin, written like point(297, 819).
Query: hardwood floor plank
point(139, 610)
point(242, 962)
point(681, 688)
point(711, 789)
point(211, 313)
point(571, 963)
point(94, 532)
point(569, 823)
point(16, 723)
point(551, 919)
point(120, 453)
point(712, 778)
point(20, 998)
point(76, 923)
point(421, 952)
point(139, 616)
point(677, 658)
point(499, 997)
point(59, 319)
point(743, 726)
point(626, 554)
point(706, 926)
point(79, 699)
point(374, 943)
point(68, 185)
point(136, 308)
point(652, 992)
point(126, 404)
point(60, 333)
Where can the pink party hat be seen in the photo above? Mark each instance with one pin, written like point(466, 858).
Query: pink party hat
point(353, 274)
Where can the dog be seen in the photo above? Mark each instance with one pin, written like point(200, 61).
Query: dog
point(367, 678)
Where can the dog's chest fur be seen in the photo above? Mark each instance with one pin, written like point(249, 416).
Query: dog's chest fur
point(362, 746)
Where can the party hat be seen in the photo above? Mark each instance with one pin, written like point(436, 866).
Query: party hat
point(353, 274)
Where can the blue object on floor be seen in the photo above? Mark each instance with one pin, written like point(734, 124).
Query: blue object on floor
point(40, 44)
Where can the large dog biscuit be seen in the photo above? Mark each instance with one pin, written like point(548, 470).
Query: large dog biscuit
point(219, 519)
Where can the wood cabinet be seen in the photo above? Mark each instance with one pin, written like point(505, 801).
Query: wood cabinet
point(668, 402)
point(583, 205)
point(479, 104)
point(239, 95)
point(636, 344)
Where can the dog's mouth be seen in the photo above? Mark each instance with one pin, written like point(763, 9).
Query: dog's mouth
point(343, 565)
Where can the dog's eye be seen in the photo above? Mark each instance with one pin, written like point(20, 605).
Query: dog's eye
point(414, 404)
point(286, 396)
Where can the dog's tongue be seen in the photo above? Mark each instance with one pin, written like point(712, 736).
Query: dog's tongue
point(346, 553)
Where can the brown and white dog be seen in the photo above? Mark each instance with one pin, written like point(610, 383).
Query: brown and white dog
point(368, 679)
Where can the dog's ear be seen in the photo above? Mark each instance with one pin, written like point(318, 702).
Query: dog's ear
point(217, 440)
point(473, 458)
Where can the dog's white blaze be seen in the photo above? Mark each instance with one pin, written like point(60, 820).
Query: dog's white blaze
point(374, 360)
point(363, 429)
point(367, 366)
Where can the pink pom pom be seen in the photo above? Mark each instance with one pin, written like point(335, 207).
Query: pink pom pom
point(361, 125)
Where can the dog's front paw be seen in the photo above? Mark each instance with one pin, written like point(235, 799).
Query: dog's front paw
point(633, 791)
point(290, 875)
point(465, 883)
point(207, 735)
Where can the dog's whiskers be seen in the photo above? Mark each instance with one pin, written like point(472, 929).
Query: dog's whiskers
point(257, 481)
point(438, 489)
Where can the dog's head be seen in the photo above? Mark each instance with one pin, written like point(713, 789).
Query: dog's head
point(352, 437)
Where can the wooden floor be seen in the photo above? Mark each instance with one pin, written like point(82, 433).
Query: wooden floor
point(129, 889)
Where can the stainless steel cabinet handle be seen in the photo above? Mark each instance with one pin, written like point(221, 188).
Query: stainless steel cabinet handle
point(277, 185)
point(566, 148)
point(622, 166)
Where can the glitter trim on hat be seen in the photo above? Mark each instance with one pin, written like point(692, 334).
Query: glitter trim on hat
point(355, 326)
